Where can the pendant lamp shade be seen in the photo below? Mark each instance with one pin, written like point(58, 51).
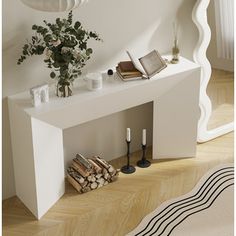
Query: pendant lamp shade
point(53, 5)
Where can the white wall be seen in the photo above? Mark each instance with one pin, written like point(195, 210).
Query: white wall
point(139, 25)
point(216, 62)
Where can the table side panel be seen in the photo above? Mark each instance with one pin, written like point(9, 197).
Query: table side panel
point(49, 164)
point(175, 120)
point(23, 157)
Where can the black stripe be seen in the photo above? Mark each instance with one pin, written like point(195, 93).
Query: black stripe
point(185, 198)
point(202, 198)
point(200, 209)
point(188, 197)
point(189, 209)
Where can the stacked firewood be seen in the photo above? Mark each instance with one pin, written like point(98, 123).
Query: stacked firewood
point(87, 174)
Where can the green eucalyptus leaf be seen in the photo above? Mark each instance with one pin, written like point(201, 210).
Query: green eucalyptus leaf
point(44, 31)
point(83, 45)
point(70, 18)
point(34, 27)
point(56, 65)
point(58, 21)
point(52, 75)
point(77, 25)
point(40, 49)
point(26, 46)
point(89, 51)
point(47, 38)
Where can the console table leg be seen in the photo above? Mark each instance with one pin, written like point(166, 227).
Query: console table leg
point(38, 161)
point(175, 118)
point(49, 165)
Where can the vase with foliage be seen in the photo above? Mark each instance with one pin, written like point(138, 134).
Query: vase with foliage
point(65, 47)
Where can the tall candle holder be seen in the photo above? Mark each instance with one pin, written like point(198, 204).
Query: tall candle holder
point(143, 163)
point(128, 169)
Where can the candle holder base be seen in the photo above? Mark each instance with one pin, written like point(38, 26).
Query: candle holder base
point(128, 169)
point(143, 163)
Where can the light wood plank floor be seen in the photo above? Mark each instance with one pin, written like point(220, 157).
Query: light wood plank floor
point(118, 207)
point(221, 92)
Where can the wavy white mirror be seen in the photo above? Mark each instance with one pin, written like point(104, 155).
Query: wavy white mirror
point(199, 16)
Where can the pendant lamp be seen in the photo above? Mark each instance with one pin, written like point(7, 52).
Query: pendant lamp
point(53, 5)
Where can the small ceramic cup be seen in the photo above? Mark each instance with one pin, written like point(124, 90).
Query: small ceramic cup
point(94, 81)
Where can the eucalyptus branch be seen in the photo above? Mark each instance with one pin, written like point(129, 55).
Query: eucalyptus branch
point(64, 44)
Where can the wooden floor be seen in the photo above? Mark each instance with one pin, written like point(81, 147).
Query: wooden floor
point(221, 92)
point(118, 207)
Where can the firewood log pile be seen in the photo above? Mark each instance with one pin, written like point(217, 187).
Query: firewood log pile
point(86, 174)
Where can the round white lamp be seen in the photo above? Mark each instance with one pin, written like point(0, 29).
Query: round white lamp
point(53, 5)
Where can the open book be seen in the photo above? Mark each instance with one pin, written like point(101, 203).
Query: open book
point(148, 65)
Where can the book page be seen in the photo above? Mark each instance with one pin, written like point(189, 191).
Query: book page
point(152, 63)
point(136, 63)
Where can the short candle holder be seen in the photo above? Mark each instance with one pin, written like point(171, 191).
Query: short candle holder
point(143, 163)
point(128, 169)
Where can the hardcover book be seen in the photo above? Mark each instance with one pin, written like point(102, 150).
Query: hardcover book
point(150, 64)
point(128, 76)
point(128, 68)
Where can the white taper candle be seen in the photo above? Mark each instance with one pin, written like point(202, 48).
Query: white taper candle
point(144, 137)
point(128, 136)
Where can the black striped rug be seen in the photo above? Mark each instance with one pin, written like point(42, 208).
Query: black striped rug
point(205, 211)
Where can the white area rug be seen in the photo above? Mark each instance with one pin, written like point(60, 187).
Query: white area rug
point(208, 210)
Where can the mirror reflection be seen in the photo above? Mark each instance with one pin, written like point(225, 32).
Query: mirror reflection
point(220, 53)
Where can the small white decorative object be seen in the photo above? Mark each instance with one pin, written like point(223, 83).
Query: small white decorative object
point(94, 81)
point(39, 94)
point(53, 5)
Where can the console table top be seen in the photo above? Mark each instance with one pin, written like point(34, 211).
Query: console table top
point(49, 112)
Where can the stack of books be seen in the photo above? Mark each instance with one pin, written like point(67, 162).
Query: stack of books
point(127, 71)
point(144, 67)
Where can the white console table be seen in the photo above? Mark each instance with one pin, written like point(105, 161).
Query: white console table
point(37, 133)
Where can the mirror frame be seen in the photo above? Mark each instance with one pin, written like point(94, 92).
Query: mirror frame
point(199, 17)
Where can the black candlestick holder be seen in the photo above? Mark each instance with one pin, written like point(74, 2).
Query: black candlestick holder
point(128, 169)
point(143, 163)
